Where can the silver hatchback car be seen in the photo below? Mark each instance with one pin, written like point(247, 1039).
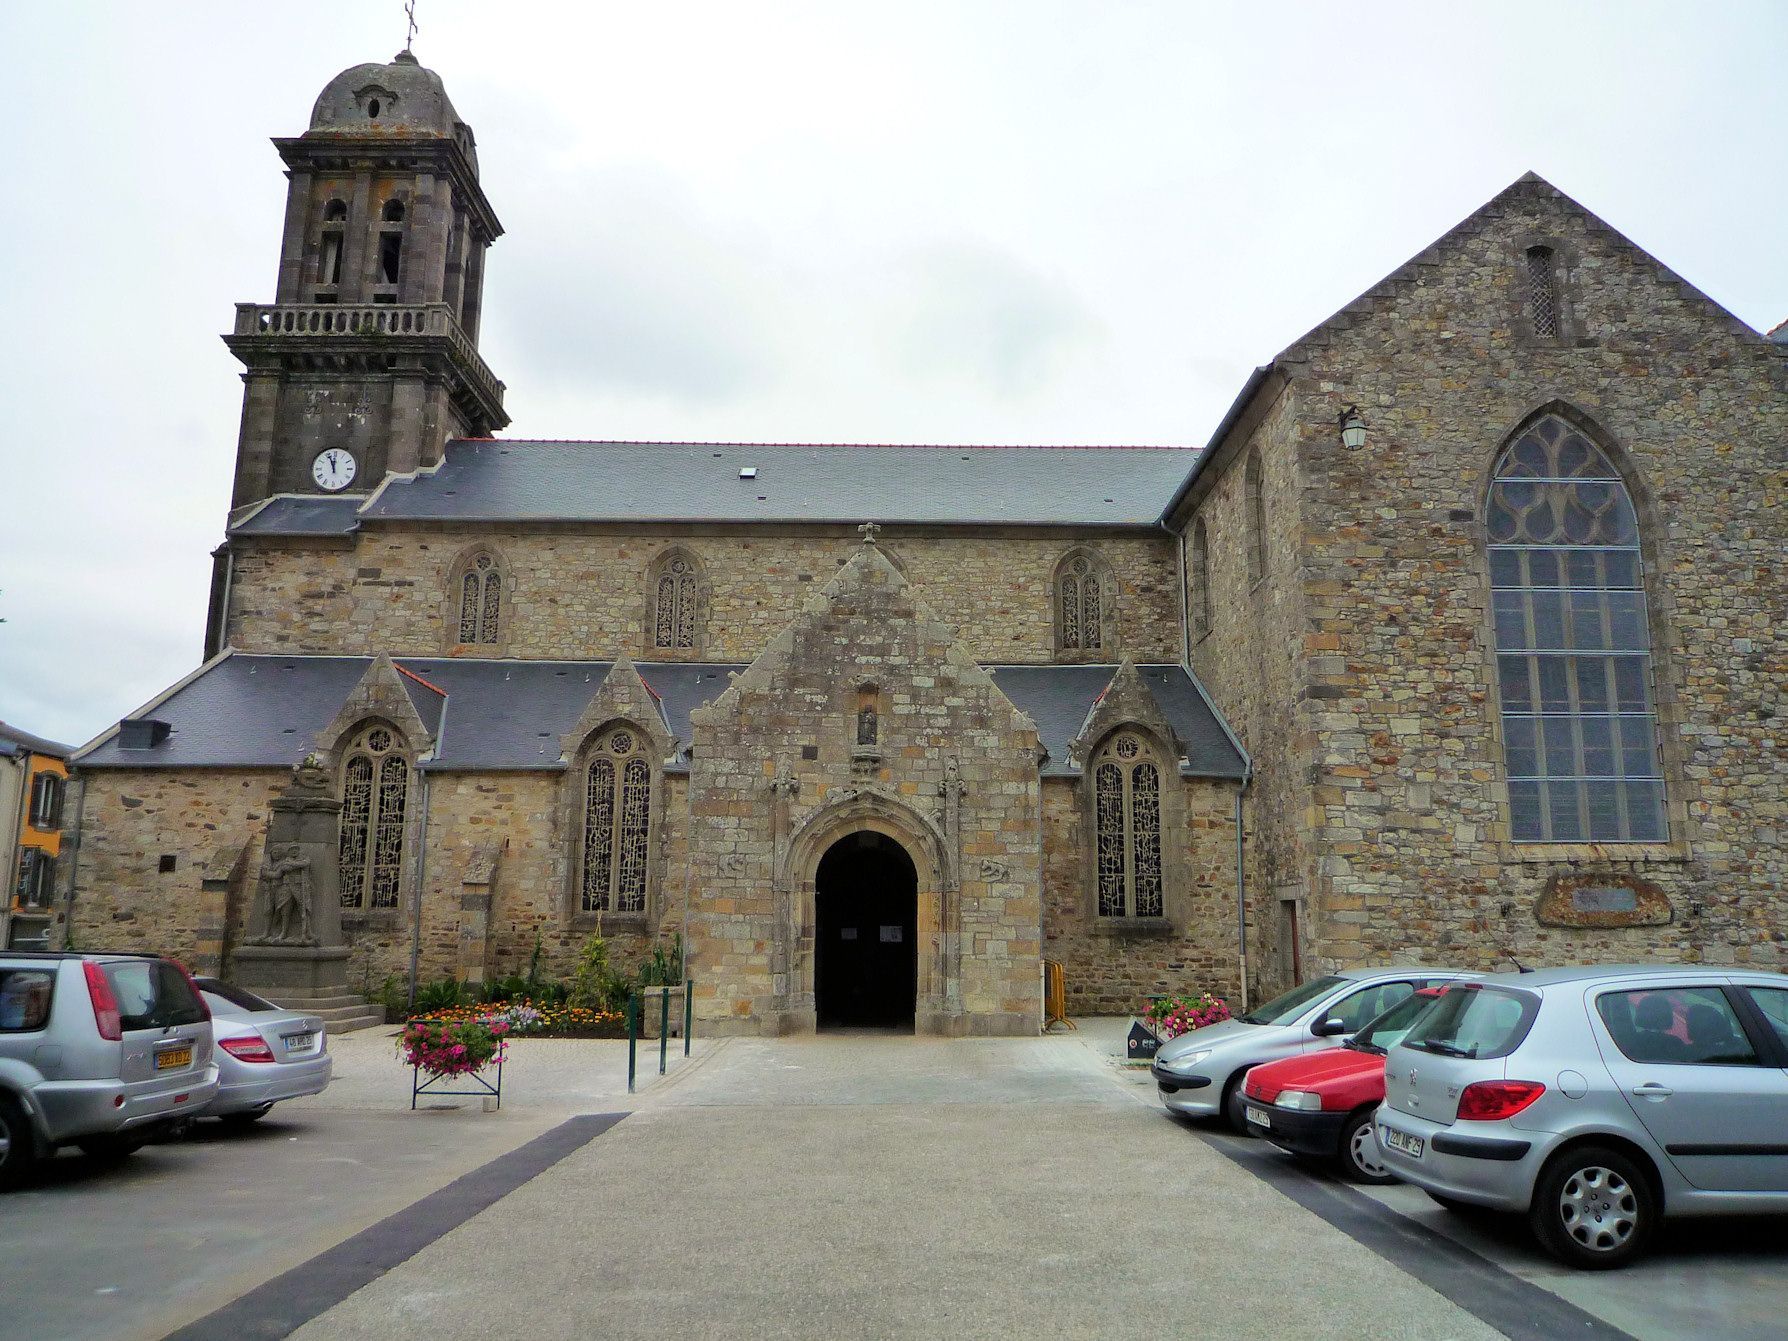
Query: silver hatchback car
point(1596, 1101)
point(1200, 1074)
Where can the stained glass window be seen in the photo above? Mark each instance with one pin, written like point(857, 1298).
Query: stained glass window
point(374, 795)
point(617, 825)
point(1080, 617)
point(1127, 818)
point(480, 600)
point(674, 614)
point(1573, 644)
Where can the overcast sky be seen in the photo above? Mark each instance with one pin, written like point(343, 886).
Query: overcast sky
point(966, 222)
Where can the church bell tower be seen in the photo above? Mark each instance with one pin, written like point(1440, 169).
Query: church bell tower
point(367, 360)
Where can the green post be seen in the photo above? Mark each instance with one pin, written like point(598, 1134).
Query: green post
point(664, 1026)
point(632, 1035)
point(688, 1011)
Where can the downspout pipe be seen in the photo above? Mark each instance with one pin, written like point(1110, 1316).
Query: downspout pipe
point(1241, 890)
point(73, 843)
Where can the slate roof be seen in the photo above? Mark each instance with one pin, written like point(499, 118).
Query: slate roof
point(265, 711)
point(14, 741)
point(497, 480)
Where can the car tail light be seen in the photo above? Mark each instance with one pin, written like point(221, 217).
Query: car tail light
point(105, 1005)
point(197, 995)
point(248, 1049)
point(1489, 1100)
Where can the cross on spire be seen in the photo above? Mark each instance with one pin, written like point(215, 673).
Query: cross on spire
point(410, 14)
point(869, 530)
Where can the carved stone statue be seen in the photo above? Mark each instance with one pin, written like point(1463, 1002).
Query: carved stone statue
point(286, 889)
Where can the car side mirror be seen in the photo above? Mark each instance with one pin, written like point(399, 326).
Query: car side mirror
point(1329, 1028)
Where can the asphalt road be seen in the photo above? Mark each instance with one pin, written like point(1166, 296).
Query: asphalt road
point(136, 1248)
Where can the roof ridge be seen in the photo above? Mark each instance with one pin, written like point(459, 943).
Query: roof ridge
point(902, 446)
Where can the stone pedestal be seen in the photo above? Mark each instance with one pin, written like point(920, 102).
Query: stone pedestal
point(293, 971)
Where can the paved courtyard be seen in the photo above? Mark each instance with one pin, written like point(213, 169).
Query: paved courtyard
point(849, 1185)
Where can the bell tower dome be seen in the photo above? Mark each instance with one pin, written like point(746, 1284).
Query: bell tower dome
point(367, 359)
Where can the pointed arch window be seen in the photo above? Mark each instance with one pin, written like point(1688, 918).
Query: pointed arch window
point(480, 593)
point(1255, 483)
point(375, 785)
point(617, 824)
point(1573, 644)
point(1199, 579)
point(675, 601)
point(1080, 604)
point(1127, 820)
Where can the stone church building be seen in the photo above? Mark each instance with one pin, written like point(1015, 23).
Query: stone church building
point(1462, 639)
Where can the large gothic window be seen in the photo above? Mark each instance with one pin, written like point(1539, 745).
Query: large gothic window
point(1081, 616)
point(375, 783)
point(617, 824)
point(1573, 648)
point(479, 588)
point(676, 589)
point(1127, 819)
point(1198, 578)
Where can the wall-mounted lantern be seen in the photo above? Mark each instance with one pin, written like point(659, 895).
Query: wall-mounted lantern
point(1353, 428)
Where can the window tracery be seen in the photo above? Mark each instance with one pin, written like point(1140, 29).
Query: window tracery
point(1127, 822)
point(1080, 604)
point(1573, 644)
point(676, 593)
point(374, 798)
point(480, 600)
point(617, 824)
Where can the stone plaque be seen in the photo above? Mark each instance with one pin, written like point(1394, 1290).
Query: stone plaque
point(1605, 899)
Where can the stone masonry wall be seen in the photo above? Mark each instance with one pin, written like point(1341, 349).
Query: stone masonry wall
point(578, 595)
point(1411, 798)
point(938, 712)
point(1114, 972)
point(1252, 662)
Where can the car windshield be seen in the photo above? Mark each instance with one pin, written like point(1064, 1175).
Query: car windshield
point(1473, 1021)
point(1390, 1027)
point(152, 994)
point(238, 998)
point(1288, 1007)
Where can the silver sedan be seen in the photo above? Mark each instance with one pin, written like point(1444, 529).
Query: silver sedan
point(264, 1054)
point(1596, 1101)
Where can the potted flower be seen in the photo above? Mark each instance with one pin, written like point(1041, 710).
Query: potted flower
point(446, 1048)
point(1170, 1016)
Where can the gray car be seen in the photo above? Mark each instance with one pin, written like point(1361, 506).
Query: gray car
point(264, 1053)
point(1596, 1101)
point(1200, 1074)
point(103, 1051)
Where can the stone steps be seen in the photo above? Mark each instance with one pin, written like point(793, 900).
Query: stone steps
point(340, 1012)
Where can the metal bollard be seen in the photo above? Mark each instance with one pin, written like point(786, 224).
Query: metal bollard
point(632, 1035)
point(664, 1021)
point(688, 1011)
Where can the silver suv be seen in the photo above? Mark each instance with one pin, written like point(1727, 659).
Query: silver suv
point(103, 1051)
point(1200, 1074)
point(1596, 1101)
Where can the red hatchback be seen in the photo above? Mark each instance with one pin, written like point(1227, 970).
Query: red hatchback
point(1321, 1103)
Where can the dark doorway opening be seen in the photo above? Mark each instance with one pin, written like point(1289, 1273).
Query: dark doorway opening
point(866, 956)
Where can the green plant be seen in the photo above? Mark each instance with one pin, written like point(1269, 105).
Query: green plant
point(533, 979)
point(597, 985)
point(438, 995)
point(393, 994)
point(664, 970)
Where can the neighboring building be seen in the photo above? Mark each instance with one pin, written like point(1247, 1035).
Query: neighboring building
point(1483, 572)
point(33, 787)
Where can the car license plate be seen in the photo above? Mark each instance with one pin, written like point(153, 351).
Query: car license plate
point(1259, 1116)
point(1396, 1140)
point(300, 1042)
point(171, 1059)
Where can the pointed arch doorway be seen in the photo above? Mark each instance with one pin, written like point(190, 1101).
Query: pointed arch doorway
point(866, 964)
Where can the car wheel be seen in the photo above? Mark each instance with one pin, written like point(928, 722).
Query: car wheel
point(1359, 1152)
point(1593, 1208)
point(1232, 1105)
point(120, 1145)
point(18, 1146)
point(247, 1119)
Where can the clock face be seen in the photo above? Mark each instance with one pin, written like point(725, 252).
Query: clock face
point(333, 469)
